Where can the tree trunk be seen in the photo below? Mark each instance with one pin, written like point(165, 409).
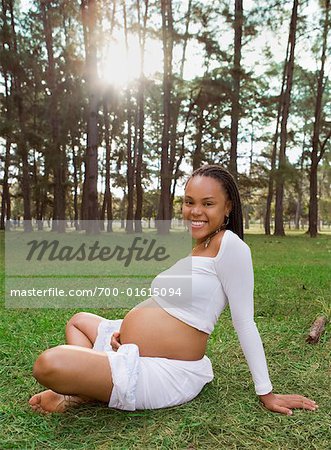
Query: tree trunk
point(176, 112)
point(21, 142)
point(280, 179)
point(44, 190)
point(130, 169)
point(75, 164)
point(141, 119)
point(270, 195)
point(236, 74)
point(90, 204)
point(164, 210)
point(246, 216)
point(197, 155)
point(299, 186)
point(122, 215)
point(181, 154)
point(315, 155)
point(37, 194)
point(251, 153)
point(56, 151)
point(5, 200)
point(130, 159)
point(107, 195)
point(38, 185)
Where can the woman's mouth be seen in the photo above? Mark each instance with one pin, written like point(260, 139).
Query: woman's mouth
point(196, 224)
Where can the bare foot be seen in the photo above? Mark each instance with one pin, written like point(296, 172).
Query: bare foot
point(49, 401)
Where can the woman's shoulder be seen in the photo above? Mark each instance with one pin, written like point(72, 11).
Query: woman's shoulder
point(234, 238)
point(230, 244)
point(234, 258)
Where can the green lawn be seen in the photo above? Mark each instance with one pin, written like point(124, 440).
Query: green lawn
point(292, 286)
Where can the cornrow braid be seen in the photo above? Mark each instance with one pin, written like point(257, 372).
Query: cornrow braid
point(230, 187)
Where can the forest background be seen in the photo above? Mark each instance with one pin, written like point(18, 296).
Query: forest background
point(107, 106)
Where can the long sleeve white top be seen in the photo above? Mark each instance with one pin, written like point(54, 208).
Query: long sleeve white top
point(226, 279)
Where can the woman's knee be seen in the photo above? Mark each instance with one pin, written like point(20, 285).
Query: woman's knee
point(76, 319)
point(47, 364)
point(87, 324)
point(81, 319)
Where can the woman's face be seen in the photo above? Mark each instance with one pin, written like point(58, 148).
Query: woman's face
point(205, 206)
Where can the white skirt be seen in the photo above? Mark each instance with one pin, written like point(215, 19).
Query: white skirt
point(141, 382)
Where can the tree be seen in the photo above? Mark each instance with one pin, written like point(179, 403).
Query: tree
point(318, 147)
point(130, 180)
point(8, 125)
point(58, 158)
point(107, 199)
point(177, 103)
point(236, 74)
point(90, 199)
point(286, 100)
point(164, 210)
point(141, 117)
point(273, 158)
point(22, 120)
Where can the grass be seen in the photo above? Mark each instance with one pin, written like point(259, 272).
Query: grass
point(292, 287)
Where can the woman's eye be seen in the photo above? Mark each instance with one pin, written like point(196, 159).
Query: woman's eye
point(188, 202)
point(208, 204)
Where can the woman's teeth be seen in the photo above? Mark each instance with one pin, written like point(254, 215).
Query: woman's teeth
point(197, 223)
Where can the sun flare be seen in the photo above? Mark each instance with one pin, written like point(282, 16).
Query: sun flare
point(119, 67)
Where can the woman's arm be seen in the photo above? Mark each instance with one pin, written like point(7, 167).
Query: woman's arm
point(235, 271)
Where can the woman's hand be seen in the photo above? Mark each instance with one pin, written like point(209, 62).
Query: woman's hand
point(115, 341)
point(284, 403)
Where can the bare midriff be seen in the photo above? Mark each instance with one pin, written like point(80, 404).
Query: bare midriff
point(158, 334)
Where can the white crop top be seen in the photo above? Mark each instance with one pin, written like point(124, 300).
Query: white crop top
point(209, 285)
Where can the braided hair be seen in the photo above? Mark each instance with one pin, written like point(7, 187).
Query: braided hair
point(229, 185)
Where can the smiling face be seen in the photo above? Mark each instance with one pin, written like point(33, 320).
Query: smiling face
point(205, 206)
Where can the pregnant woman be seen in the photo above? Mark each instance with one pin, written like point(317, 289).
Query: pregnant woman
point(155, 357)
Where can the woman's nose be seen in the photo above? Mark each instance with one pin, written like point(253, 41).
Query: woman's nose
point(196, 211)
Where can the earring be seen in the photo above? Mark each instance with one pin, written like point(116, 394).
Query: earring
point(227, 220)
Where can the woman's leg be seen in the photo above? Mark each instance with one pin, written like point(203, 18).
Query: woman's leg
point(74, 375)
point(82, 329)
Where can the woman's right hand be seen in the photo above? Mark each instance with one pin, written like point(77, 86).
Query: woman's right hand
point(115, 341)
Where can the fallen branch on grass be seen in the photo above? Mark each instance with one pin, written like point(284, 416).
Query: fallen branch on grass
point(316, 330)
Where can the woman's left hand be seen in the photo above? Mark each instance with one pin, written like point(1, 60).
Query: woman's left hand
point(115, 341)
point(283, 403)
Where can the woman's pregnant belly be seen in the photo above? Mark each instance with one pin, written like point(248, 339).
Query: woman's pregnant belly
point(159, 334)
